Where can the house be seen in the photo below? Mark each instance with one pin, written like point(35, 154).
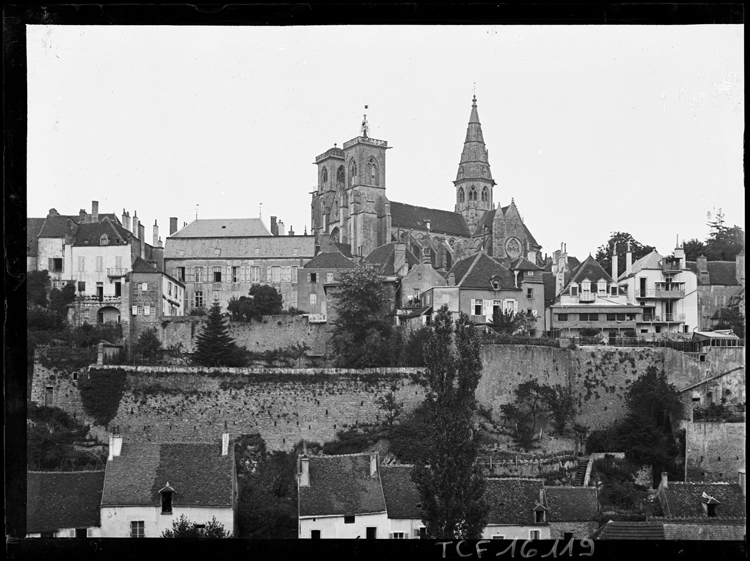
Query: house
point(421, 277)
point(63, 504)
point(517, 510)
point(721, 286)
point(591, 299)
point(323, 269)
point(220, 259)
point(685, 530)
point(666, 290)
point(402, 503)
point(149, 486)
point(620, 530)
point(341, 497)
point(700, 500)
point(154, 296)
point(571, 511)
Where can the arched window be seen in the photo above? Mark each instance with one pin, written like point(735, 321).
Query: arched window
point(352, 171)
point(485, 195)
point(340, 176)
point(461, 196)
point(324, 176)
point(104, 240)
point(372, 172)
point(472, 193)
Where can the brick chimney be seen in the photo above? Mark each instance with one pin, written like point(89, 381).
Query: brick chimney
point(141, 237)
point(374, 464)
point(304, 476)
point(172, 225)
point(156, 234)
point(136, 231)
point(614, 264)
point(281, 228)
point(82, 216)
point(628, 260)
point(94, 211)
point(274, 227)
point(225, 444)
point(124, 217)
point(399, 256)
point(127, 223)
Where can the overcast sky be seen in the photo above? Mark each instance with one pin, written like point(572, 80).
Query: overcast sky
point(591, 129)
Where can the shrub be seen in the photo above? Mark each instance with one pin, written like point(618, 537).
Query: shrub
point(101, 393)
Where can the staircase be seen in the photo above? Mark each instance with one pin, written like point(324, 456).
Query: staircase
point(583, 464)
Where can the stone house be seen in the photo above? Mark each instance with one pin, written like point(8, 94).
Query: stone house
point(322, 270)
point(64, 504)
point(402, 503)
point(517, 510)
point(154, 296)
point(149, 486)
point(721, 286)
point(699, 500)
point(572, 511)
point(220, 259)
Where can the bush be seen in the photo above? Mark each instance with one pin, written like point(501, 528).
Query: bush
point(101, 393)
point(198, 312)
point(42, 319)
point(148, 345)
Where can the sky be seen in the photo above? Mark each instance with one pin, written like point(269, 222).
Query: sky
point(590, 129)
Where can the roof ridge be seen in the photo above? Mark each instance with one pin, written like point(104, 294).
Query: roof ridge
point(80, 471)
point(471, 268)
point(342, 455)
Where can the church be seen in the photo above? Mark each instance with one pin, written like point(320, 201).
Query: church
point(350, 205)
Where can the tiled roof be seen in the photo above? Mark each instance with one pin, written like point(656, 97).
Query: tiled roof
point(512, 501)
point(56, 226)
point(571, 504)
point(57, 500)
point(618, 530)
point(518, 264)
point(550, 284)
point(344, 248)
point(649, 261)
point(477, 270)
point(401, 495)
point(441, 221)
point(329, 261)
point(142, 266)
point(341, 485)
point(685, 499)
point(382, 258)
point(223, 228)
point(90, 234)
point(726, 531)
point(33, 227)
point(198, 472)
point(486, 220)
point(719, 272)
point(591, 270)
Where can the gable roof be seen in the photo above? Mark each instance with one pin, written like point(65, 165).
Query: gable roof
point(619, 530)
point(512, 501)
point(650, 261)
point(590, 270)
point(719, 272)
point(89, 234)
point(686, 499)
point(550, 285)
point(198, 472)
point(344, 248)
point(401, 495)
point(57, 500)
point(56, 226)
point(518, 264)
point(532, 240)
point(33, 227)
point(341, 486)
point(382, 258)
point(223, 228)
point(441, 221)
point(477, 270)
point(571, 504)
point(333, 260)
point(143, 266)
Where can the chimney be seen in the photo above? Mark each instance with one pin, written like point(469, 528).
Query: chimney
point(291, 231)
point(399, 257)
point(614, 263)
point(142, 236)
point(281, 227)
point(156, 234)
point(628, 260)
point(82, 216)
point(124, 216)
point(127, 223)
point(426, 255)
point(664, 481)
point(451, 279)
point(740, 274)
point(115, 446)
point(374, 464)
point(679, 253)
point(172, 225)
point(274, 227)
point(741, 475)
point(95, 211)
point(136, 223)
point(304, 476)
point(427, 224)
point(225, 444)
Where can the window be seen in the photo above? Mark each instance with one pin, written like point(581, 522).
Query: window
point(235, 274)
point(601, 288)
point(477, 307)
point(198, 274)
point(255, 274)
point(169, 288)
point(539, 516)
point(562, 317)
point(613, 290)
point(99, 264)
point(498, 537)
point(315, 534)
point(372, 533)
point(510, 305)
point(55, 265)
point(217, 274)
point(104, 240)
point(137, 530)
point(324, 176)
point(589, 317)
point(574, 290)
point(198, 299)
point(485, 195)
point(586, 286)
point(135, 310)
point(711, 510)
point(399, 535)
point(529, 293)
point(81, 264)
point(257, 251)
point(81, 286)
point(181, 274)
point(294, 274)
point(312, 277)
point(48, 394)
point(140, 311)
point(144, 287)
point(461, 195)
point(275, 274)
point(533, 534)
point(166, 501)
point(329, 277)
point(146, 310)
point(348, 519)
point(313, 299)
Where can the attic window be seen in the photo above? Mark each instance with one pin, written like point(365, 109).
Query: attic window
point(167, 494)
point(712, 510)
point(539, 516)
point(574, 290)
point(104, 240)
point(495, 284)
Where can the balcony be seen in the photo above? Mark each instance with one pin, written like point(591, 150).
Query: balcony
point(663, 291)
point(671, 265)
point(587, 297)
point(664, 318)
point(117, 271)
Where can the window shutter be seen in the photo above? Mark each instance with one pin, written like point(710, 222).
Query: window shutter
point(72, 533)
point(416, 532)
point(135, 310)
point(50, 264)
point(146, 310)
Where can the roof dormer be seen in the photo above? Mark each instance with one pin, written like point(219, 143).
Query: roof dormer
point(167, 494)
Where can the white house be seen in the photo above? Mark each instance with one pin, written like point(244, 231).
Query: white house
point(341, 497)
point(149, 486)
point(517, 510)
point(402, 502)
point(666, 290)
point(63, 504)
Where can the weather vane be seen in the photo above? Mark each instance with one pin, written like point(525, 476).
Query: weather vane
point(196, 210)
point(365, 125)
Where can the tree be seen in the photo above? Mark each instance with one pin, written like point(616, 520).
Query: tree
point(362, 334)
point(390, 407)
point(561, 404)
point(618, 242)
point(214, 346)
point(50, 440)
point(506, 322)
point(261, 300)
point(60, 300)
point(148, 344)
point(693, 249)
point(527, 410)
point(731, 318)
point(184, 528)
point(652, 397)
point(412, 349)
point(450, 484)
point(37, 283)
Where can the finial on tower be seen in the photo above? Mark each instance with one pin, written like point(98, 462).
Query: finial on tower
point(365, 125)
point(474, 99)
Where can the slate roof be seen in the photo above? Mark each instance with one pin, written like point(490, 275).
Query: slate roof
point(329, 261)
point(342, 486)
point(441, 221)
point(489, 217)
point(512, 501)
point(591, 270)
point(719, 272)
point(56, 226)
point(650, 261)
point(684, 499)
point(571, 504)
point(33, 227)
point(57, 500)
point(198, 472)
point(401, 495)
point(382, 258)
point(143, 266)
point(699, 530)
point(619, 530)
point(550, 284)
point(344, 248)
point(223, 228)
point(89, 234)
point(477, 270)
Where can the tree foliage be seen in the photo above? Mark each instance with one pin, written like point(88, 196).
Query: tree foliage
point(363, 335)
point(60, 300)
point(262, 300)
point(37, 283)
point(723, 242)
point(618, 243)
point(184, 528)
point(214, 346)
point(50, 441)
point(390, 407)
point(507, 322)
point(148, 344)
point(731, 318)
point(450, 484)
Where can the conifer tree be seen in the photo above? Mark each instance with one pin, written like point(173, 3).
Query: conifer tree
point(214, 346)
point(450, 484)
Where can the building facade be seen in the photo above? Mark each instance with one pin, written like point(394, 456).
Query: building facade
point(721, 286)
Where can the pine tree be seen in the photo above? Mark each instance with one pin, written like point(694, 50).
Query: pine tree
point(214, 346)
point(449, 482)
